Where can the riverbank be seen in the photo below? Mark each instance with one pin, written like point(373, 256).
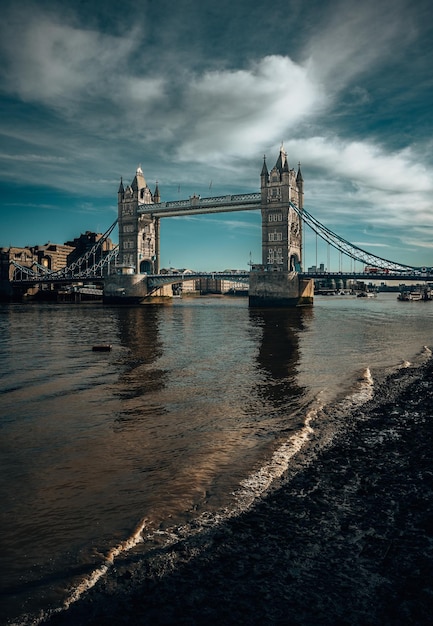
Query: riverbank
point(347, 540)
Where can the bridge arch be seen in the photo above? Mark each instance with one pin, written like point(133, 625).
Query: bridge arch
point(294, 263)
point(146, 267)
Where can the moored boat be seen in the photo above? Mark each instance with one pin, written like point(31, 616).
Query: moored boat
point(414, 296)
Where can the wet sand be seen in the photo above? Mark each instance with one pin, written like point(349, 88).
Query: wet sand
point(345, 539)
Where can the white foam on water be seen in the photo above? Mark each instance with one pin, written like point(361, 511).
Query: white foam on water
point(364, 390)
point(258, 482)
point(91, 580)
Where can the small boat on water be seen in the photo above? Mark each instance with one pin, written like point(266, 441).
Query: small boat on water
point(106, 347)
point(366, 294)
point(414, 296)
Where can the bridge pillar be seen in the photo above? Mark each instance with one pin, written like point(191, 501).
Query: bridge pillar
point(138, 244)
point(138, 233)
point(126, 287)
point(279, 289)
point(276, 282)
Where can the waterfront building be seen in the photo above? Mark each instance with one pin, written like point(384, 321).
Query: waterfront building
point(53, 256)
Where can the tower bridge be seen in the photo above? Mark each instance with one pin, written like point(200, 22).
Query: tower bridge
point(275, 282)
point(131, 273)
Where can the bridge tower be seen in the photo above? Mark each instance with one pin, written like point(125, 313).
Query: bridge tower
point(276, 282)
point(281, 225)
point(138, 234)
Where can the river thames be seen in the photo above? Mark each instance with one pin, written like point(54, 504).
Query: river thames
point(196, 410)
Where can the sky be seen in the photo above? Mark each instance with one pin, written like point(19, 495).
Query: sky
point(196, 93)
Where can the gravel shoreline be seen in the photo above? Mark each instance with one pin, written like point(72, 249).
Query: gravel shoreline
point(347, 540)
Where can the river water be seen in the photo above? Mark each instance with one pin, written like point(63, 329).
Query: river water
point(197, 408)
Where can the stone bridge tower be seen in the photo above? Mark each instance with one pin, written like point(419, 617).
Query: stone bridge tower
point(281, 225)
point(276, 282)
point(138, 234)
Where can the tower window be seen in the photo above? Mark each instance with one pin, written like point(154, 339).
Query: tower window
point(275, 217)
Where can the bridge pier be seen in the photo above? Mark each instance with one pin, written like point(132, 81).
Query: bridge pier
point(279, 289)
point(125, 287)
point(130, 288)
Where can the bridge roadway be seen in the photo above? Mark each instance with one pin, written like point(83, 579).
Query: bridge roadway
point(157, 280)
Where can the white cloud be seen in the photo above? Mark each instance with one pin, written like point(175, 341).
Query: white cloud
point(33, 158)
point(371, 165)
point(67, 67)
point(237, 112)
point(387, 187)
point(357, 35)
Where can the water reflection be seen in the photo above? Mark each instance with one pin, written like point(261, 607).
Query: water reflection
point(207, 389)
point(278, 356)
point(139, 333)
point(138, 329)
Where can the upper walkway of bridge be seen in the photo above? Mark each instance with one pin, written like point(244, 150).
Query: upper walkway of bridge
point(198, 205)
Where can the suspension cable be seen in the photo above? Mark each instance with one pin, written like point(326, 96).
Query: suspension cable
point(344, 246)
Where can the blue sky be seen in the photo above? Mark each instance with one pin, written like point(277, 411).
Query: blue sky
point(196, 93)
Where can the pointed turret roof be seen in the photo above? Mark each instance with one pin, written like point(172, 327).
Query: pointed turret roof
point(264, 171)
point(139, 181)
point(299, 178)
point(121, 189)
point(282, 159)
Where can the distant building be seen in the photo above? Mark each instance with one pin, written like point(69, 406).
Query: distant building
point(22, 256)
point(53, 256)
point(220, 285)
point(185, 286)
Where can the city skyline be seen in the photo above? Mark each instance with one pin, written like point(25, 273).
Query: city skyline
point(196, 95)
